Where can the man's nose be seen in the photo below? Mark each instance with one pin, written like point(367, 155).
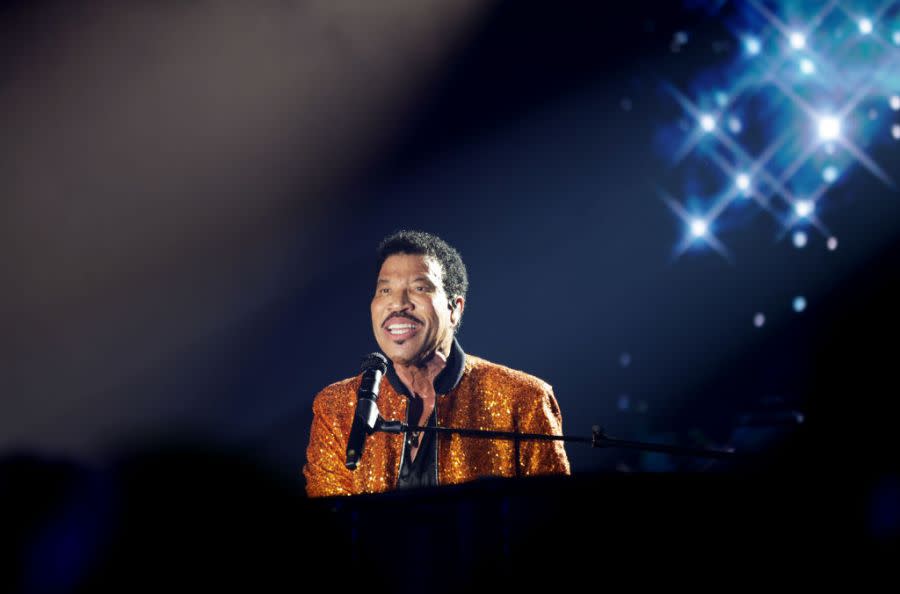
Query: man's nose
point(400, 300)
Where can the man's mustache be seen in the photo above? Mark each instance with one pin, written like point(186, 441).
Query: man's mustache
point(400, 315)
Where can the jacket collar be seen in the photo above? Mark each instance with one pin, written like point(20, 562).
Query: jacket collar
point(446, 380)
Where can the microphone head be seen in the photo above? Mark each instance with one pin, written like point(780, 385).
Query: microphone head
point(374, 361)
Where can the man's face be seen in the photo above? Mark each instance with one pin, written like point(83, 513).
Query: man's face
point(411, 314)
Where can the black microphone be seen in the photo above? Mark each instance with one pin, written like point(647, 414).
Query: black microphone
point(373, 369)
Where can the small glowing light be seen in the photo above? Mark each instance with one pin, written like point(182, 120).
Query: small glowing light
point(807, 66)
point(798, 41)
point(865, 26)
point(829, 174)
point(800, 239)
point(758, 320)
point(625, 359)
point(895, 102)
point(895, 131)
point(681, 37)
point(804, 208)
point(743, 181)
point(721, 98)
point(624, 401)
point(734, 125)
point(752, 45)
point(707, 122)
point(832, 243)
point(698, 227)
point(829, 127)
point(799, 304)
point(896, 37)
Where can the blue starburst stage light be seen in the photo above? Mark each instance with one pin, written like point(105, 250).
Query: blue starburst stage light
point(699, 228)
point(798, 104)
point(798, 40)
point(752, 45)
point(829, 127)
point(804, 208)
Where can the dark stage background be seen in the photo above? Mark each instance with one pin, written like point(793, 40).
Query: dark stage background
point(192, 196)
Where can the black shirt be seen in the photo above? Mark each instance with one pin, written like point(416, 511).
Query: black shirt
point(422, 472)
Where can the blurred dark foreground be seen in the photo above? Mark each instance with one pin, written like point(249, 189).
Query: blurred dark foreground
point(193, 518)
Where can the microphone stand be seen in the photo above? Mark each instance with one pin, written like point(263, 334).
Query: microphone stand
point(598, 439)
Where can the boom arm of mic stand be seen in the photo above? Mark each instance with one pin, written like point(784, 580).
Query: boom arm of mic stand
point(598, 439)
point(391, 426)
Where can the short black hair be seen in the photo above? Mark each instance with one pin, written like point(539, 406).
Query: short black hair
point(456, 279)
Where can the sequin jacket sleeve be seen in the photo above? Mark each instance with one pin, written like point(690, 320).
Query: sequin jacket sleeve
point(539, 413)
point(325, 472)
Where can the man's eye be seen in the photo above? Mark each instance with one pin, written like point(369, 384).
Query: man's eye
point(421, 289)
point(383, 290)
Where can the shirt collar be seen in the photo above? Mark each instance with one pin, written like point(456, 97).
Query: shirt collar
point(446, 380)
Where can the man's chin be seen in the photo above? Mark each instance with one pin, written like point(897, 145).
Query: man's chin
point(406, 358)
point(398, 355)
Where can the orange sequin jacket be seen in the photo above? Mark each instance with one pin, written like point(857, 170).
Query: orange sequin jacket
point(487, 396)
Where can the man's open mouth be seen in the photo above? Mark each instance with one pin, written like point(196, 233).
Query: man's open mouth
point(400, 328)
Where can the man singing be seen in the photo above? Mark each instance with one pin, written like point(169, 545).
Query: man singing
point(420, 294)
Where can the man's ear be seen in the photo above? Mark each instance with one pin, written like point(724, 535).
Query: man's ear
point(456, 305)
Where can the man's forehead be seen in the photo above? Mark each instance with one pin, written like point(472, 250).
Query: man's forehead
point(411, 264)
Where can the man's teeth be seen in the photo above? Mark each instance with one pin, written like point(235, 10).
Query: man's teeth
point(400, 328)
